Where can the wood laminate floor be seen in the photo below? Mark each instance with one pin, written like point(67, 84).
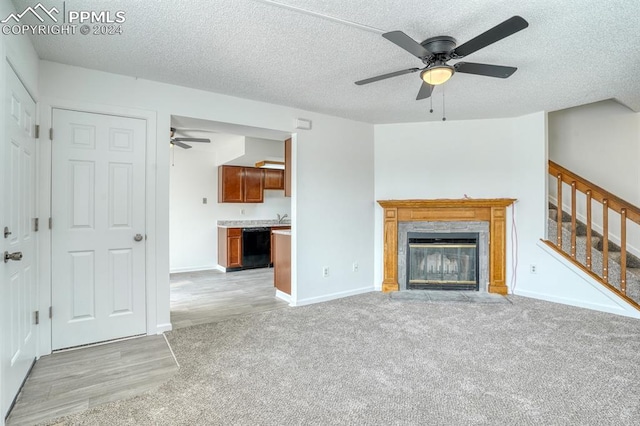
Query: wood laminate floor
point(72, 381)
point(212, 296)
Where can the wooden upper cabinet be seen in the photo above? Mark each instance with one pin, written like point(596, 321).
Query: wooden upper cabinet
point(253, 185)
point(230, 184)
point(238, 184)
point(273, 179)
point(287, 168)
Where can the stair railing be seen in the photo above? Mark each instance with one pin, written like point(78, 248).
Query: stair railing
point(592, 191)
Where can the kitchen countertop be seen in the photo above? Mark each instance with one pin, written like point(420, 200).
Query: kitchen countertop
point(283, 232)
point(251, 223)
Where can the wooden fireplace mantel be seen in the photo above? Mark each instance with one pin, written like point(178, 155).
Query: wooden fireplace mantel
point(491, 210)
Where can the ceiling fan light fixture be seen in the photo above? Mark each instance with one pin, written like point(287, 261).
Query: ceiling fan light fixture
point(437, 74)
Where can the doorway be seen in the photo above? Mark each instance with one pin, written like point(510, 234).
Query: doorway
point(201, 291)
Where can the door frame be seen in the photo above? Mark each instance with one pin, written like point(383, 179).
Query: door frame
point(153, 269)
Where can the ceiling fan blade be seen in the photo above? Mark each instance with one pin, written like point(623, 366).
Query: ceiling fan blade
point(383, 76)
point(498, 71)
point(407, 43)
point(500, 31)
point(180, 144)
point(425, 91)
point(192, 140)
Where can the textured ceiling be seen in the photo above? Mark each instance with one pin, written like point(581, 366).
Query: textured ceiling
point(574, 52)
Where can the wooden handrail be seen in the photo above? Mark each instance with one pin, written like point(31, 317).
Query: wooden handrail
point(608, 201)
point(597, 193)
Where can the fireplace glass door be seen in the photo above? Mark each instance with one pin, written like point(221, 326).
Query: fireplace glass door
point(441, 264)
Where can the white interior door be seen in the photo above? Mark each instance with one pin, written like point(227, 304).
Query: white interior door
point(18, 283)
point(98, 230)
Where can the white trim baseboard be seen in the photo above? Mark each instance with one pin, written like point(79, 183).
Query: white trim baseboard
point(195, 269)
point(283, 296)
point(162, 328)
point(332, 296)
point(618, 305)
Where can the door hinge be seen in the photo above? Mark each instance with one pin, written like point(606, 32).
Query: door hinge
point(50, 223)
point(51, 134)
point(37, 131)
point(36, 224)
point(37, 317)
point(50, 312)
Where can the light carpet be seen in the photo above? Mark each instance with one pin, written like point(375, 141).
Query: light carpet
point(373, 360)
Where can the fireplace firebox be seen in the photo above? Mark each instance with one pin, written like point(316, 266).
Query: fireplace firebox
point(442, 261)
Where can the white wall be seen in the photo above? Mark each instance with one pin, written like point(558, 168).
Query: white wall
point(503, 158)
point(194, 234)
point(332, 201)
point(600, 142)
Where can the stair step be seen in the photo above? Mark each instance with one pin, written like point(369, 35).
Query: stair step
point(595, 241)
point(615, 256)
point(633, 271)
point(553, 214)
point(581, 229)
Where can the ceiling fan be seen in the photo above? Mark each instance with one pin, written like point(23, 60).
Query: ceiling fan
point(435, 52)
point(180, 141)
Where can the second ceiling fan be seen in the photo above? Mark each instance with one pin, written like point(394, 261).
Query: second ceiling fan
point(181, 141)
point(435, 52)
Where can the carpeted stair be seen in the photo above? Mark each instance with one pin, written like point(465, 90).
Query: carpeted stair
point(633, 263)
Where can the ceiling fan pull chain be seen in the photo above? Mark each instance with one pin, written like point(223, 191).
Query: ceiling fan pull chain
point(431, 104)
point(173, 155)
point(443, 112)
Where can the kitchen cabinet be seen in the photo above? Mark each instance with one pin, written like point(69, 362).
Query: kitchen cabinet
point(273, 239)
point(238, 184)
point(273, 179)
point(287, 167)
point(230, 247)
point(282, 261)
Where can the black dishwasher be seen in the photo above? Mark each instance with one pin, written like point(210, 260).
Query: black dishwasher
point(256, 247)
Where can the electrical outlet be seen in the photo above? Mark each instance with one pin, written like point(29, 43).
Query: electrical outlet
point(241, 211)
point(533, 269)
point(355, 266)
point(325, 271)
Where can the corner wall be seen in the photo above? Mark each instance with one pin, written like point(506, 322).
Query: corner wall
point(484, 159)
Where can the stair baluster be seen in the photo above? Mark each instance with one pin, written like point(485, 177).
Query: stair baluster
point(605, 240)
point(623, 251)
point(559, 242)
point(589, 229)
point(573, 219)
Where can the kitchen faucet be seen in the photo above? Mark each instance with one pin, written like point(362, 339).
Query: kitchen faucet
point(281, 219)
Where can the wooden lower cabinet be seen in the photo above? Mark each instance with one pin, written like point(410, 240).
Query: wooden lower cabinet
point(274, 228)
point(230, 247)
point(282, 262)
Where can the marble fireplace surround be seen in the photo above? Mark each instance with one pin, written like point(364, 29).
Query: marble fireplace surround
point(492, 211)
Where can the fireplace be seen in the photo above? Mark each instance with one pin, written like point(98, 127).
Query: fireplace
point(491, 213)
point(442, 261)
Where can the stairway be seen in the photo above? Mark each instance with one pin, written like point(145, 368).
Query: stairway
point(633, 263)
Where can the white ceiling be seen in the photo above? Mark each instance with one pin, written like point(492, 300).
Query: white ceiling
point(574, 52)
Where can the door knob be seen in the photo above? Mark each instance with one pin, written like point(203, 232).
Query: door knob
point(138, 237)
point(12, 256)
